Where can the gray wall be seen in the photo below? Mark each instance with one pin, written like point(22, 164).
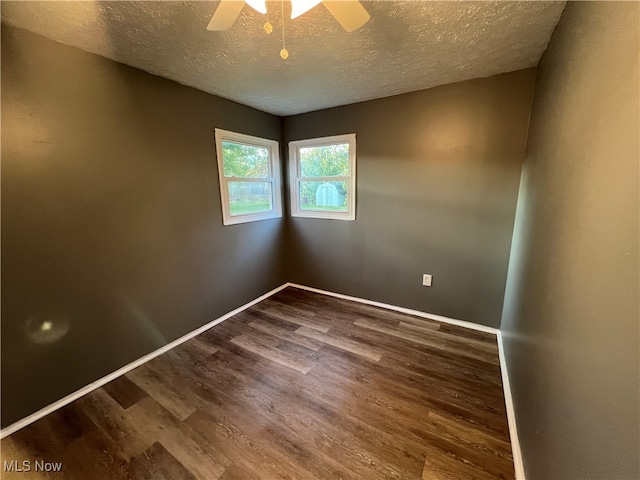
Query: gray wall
point(111, 219)
point(571, 318)
point(437, 184)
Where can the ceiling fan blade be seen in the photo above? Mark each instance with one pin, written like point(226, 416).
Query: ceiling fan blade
point(350, 14)
point(225, 14)
point(298, 7)
point(258, 5)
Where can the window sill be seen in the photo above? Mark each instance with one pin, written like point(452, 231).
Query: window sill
point(251, 218)
point(346, 216)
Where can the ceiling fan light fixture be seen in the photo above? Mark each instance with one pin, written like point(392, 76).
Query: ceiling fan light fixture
point(258, 5)
point(298, 7)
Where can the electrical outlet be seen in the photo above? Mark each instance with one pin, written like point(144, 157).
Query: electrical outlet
point(426, 280)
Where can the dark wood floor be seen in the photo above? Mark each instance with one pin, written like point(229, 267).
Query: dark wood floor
point(299, 386)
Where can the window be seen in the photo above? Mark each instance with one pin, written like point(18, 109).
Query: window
point(249, 171)
point(323, 177)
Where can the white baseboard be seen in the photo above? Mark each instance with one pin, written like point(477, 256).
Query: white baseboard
point(14, 427)
point(408, 311)
point(511, 415)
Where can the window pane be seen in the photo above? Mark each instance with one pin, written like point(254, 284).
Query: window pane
point(323, 196)
point(250, 197)
point(245, 160)
point(325, 161)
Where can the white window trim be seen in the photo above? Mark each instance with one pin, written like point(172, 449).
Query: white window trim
point(274, 178)
point(295, 178)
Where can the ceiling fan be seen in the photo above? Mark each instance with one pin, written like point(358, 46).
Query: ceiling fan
point(349, 13)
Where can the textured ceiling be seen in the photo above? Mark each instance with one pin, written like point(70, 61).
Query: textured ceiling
point(406, 46)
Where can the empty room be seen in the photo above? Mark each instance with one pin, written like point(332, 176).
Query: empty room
point(320, 239)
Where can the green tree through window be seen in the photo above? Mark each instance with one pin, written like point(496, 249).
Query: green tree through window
point(324, 161)
point(245, 160)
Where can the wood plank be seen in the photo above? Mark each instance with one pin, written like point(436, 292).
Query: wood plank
point(326, 421)
point(417, 328)
point(345, 344)
point(440, 465)
point(152, 421)
point(291, 315)
point(165, 394)
point(477, 447)
point(251, 459)
point(382, 313)
point(306, 460)
point(110, 419)
point(156, 463)
point(284, 334)
point(449, 337)
point(434, 343)
point(258, 347)
point(94, 456)
point(463, 332)
point(124, 391)
point(426, 355)
point(195, 349)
